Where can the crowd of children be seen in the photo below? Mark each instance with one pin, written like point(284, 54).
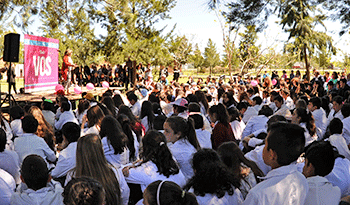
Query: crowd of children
point(266, 140)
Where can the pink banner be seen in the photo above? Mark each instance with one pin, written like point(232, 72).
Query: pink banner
point(40, 63)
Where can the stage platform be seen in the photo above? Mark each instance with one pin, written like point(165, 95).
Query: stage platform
point(36, 97)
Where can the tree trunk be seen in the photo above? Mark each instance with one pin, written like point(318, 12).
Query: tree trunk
point(306, 65)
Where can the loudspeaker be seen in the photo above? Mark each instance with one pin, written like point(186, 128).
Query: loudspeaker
point(11, 47)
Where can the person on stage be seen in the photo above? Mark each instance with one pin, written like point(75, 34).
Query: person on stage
point(67, 67)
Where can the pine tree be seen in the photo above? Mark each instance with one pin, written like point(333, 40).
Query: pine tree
point(211, 56)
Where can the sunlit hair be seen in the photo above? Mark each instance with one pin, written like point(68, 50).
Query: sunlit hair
point(91, 162)
point(83, 105)
point(147, 111)
point(116, 137)
point(45, 130)
point(109, 103)
point(94, 116)
point(308, 119)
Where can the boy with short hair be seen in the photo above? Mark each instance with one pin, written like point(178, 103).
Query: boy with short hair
point(37, 186)
point(284, 184)
point(319, 162)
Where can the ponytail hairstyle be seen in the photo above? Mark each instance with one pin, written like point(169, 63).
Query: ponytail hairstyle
point(126, 126)
point(203, 99)
point(116, 137)
point(167, 193)
point(307, 118)
point(154, 149)
point(186, 128)
point(147, 111)
point(234, 114)
point(211, 175)
point(221, 114)
point(233, 157)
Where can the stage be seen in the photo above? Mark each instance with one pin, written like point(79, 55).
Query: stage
point(36, 97)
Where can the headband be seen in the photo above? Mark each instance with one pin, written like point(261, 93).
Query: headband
point(158, 191)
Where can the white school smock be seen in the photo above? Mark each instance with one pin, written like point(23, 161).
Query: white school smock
point(338, 141)
point(340, 175)
point(320, 121)
point(66, 161)
point(247, 183)
point(250, 112)
point(211, 199)
point(7, 187)
point(9, 135)
point(90, 130)
point(346, 129)
point(283, 185)
point(308, 138)
point(256, 156)
point(204, 138)
point(51, 194)
point(16, 126)
point(9, 161)
point(29, 143)
point(332, 115)
point(237, 128)
point(114, 159)
point(66, 116)
point(255, 123)
point(322, 192)
point(147, 173)
point(183, 151)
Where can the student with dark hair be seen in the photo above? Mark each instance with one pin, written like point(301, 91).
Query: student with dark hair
point(336, 138)
point(257, 122)
point(228, 100)
point(319, 162)
point(182, 141)
point(133, 121)
point(109, 103)
point(48, 109)
point(83, 107)
point(203, 102)
point(180, 108)
point(66, 115)
point(222, 131)
point(336, 109)
point(9, 160)
point(304, 118)
point(37, 186)
point(345, 110)
point(253, 110)
point(236, 122)
point(194, 108)
point(203, 136)
point(132, 140)
point(93, 118)
point(147, 115)
point(319, 115)
point(84, 190)
point(66, 160)
point(16, 114)
point(282, 108)
point(157, 163)
point(135, 104)
point(167, 193)
point(29, 143)
point(7, 128)
point(247, 171)
point(212, 183)
point(159, 117)
point(114, 142)
point(284, 183)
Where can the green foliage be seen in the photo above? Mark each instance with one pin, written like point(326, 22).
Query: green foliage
point(211, 57)
point(197, 58)
point(180, 49)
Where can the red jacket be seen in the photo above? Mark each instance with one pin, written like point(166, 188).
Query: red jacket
point(221, 134)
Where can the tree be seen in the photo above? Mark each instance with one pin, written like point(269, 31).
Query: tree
point(180, 48)
point(247, 46)
point(211, 57)
point(197, 58)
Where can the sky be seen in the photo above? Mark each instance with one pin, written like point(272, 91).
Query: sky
point(194, 20)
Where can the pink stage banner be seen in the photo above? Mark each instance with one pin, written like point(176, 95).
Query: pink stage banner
point(40, 63)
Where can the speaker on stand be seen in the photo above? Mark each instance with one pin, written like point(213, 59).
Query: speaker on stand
point(11, 52)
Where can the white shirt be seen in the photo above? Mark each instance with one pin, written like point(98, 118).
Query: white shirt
point(247, 183)
point(7, 187)
point(308, 138)
point(289, 103)
point(30, 143)
point(256, 156)
point(66, 160)
point(346, 129)
point(80, 116)
point(332, 115)
point(338, 141)
point(51, 194)
point(183, 151)
point(284, 111)
point(166, 107)
point(322, 192)
point(115, 159)
point(340, 175)
point(136, 109)
point(283, 185)
point(49, 117)
point(237, 128)
point(250, 112)
point(147, 173)
point(9, 135)
point(255, 123)
point(9, 161)
point(66, 116)
point(16, 126)
point(211, 199)
point(90, 130)
point(320, 121)
point(144, 122)
point(204, 138)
